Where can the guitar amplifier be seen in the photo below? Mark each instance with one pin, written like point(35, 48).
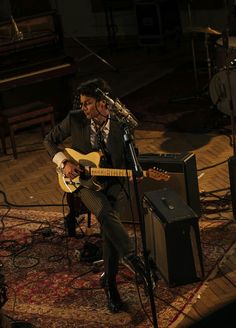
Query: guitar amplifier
point(182, 170)
point(172, 237)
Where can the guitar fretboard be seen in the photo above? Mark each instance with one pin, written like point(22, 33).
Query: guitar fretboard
point(106, 172)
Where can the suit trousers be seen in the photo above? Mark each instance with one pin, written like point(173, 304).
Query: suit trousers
point(116, 242)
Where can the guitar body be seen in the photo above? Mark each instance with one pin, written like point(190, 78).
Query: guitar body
point(92, 160)
point(90, 165)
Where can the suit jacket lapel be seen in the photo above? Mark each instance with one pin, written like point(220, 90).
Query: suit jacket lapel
point(114, 144)
point(86, 136)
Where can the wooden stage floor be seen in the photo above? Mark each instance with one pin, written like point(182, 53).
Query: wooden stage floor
point(31, 180)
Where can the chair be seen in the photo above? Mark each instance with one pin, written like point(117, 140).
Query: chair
point(76, 208)
point(92, 251)
point(15, 118)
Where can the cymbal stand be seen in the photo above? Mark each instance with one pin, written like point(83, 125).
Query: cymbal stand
point(231, 160)
point(193, 49)
point(184, 98)
point(231, 105)
point(225, 38)
point(194, 57)
point(208, 57)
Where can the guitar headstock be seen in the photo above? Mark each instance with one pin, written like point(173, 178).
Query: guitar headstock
point(157, 174)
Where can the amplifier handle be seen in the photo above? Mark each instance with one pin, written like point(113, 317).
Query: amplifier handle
point(167, 203)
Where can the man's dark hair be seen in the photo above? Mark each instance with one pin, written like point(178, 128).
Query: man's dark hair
point(89, 88)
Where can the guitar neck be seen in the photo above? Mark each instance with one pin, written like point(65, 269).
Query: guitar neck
point(107, 172)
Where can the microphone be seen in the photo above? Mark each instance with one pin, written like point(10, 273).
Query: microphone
point(18, 34)
point(119, 109)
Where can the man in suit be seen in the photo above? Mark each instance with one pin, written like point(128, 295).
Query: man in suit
point(92, 128)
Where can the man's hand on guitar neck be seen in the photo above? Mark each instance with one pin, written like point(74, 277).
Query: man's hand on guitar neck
point(71, 170)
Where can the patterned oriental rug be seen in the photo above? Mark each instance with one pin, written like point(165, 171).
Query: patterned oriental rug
point(48, 285)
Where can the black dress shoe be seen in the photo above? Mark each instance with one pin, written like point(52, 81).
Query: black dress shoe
point(114, 302)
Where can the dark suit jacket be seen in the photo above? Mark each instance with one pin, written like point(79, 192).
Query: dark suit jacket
point(77, 126)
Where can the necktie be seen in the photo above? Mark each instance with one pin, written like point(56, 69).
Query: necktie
point(100, 142)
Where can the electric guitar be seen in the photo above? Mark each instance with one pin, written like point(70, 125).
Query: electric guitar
point(90, 170)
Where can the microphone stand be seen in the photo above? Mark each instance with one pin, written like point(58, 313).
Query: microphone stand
point(128, 122)
point(137, 172)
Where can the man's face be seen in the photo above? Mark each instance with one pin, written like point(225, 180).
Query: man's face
point(93, 109)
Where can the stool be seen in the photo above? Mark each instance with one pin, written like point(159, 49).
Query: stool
point(91, 252)
point(76, 208)
point(15, 118)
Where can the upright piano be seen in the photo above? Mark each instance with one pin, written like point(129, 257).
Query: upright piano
point(33, 63)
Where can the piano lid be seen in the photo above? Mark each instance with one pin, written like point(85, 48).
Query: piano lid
point(31, 40)
point(31, 28)
point(24, 8)
point(33, 61)
point(24, 19)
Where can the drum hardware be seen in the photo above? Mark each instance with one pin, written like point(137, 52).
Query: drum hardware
point(193, 48)
point(232, 63)
point(220, 53)
point(230, 42)
point(223, 81)
point(208, 57)
point(225, 38)
point(208, 31)
point(204, 90)
point(173, 100)
point(231, 104)
point(202, 29)
point(220, 88)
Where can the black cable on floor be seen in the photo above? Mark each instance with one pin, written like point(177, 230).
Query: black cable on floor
point(7, 203)
point(211, 166)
